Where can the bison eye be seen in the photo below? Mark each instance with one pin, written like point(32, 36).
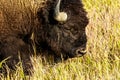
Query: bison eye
point(74, 31)
point(69, 26)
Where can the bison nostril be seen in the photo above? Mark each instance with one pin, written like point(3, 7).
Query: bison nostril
point(81, 51)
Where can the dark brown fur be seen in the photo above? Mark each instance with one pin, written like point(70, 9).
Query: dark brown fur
point(19, 21)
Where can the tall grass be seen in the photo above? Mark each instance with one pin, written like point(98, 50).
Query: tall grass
point(102, 61)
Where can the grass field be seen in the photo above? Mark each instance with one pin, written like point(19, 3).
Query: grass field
point(102, 61)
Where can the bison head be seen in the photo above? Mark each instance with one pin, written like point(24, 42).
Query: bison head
point(64, 22)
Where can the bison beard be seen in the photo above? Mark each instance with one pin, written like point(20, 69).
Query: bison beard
point(62, 35)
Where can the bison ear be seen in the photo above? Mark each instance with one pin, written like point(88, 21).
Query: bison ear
point(42, 15)
point(59, 16)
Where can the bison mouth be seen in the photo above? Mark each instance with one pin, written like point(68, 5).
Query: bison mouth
point(75, 52)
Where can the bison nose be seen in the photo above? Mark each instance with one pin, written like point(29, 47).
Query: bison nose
point(80, 51)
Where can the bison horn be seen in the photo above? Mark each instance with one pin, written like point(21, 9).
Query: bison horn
point(59, 16)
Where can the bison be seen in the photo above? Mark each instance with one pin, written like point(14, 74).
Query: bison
point(57, 26)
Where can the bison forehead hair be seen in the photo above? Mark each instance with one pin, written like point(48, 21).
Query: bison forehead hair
point(57, 25)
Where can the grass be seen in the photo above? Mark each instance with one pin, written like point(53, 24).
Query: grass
point(102, 61)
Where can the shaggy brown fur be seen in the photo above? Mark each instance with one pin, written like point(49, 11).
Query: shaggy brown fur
point(19, 19)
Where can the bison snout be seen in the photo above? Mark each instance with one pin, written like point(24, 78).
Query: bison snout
point(80, 51)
